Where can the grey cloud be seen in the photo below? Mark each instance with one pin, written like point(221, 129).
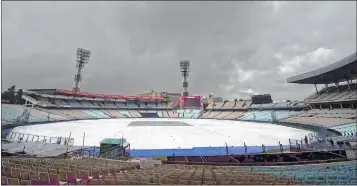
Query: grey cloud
point(137, 45)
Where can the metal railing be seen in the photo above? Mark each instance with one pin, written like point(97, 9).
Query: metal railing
point(23, 137)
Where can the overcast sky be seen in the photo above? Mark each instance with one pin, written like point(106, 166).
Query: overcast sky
point(235, 48)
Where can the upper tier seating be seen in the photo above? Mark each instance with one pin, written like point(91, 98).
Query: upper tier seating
point(121, 105)
point(97, 103)
point(151, 105)
point(44, 101)
point(131, 105)
point(60, 102)
point(331, 94)
point(229, 105)
point(142, 106)
point(239, 105)
point(234, 115)
point(109, 104)
point(247, 104)
point(161, 105)
point(74, 103)
point(325, 117)
point(218, 105)
point(86, 103)
point(276, 105)
point(267, 115)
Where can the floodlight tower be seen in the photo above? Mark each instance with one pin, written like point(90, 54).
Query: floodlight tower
point(82, 59)
point(185, 68)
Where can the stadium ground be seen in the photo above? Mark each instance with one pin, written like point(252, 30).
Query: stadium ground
point(169, 133)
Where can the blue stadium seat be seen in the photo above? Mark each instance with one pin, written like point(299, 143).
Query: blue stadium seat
point(266, 115)
point(159, 113)
point(282, 104)
point(255, 106)
point(100, 114)
point(187, 115)
point(181, 111)
point(342, 173)
point(9, 114)
point(92, 113)
point(196, 116)
point(346, 129)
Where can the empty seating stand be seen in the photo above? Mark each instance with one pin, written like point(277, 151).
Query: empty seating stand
point(234, 115)
point(331, 94)
point(218, 105)
point(325, 117)
point(229, 105)
point(240, 104)
point(121, 105)
point(135, 114)
point(165, 114)
point(40, 171)
point(125, 113)
point(347, 129)
point(173, 113)
point(342, 173)
point(212, 114)
point(222, 115)
point(210, 106)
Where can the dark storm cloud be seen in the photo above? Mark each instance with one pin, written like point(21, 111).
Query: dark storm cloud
point(235, 48)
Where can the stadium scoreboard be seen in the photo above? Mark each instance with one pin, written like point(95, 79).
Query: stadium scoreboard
point(191, 102)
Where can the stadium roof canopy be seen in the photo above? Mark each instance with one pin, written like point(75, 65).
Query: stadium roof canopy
point(343, 70)
point(91, 95)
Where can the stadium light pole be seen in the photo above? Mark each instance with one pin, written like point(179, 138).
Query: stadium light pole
point(185, 68)
point(82, 59)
